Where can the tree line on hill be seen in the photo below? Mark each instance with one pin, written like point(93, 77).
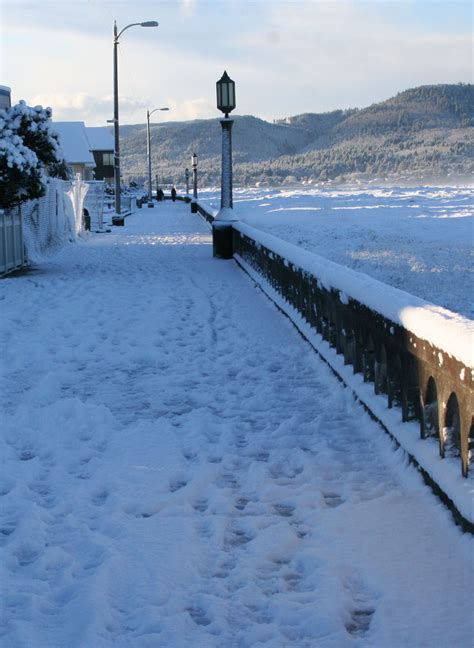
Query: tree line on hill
point(422, 134)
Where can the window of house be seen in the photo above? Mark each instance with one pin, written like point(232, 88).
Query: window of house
point(108, 159)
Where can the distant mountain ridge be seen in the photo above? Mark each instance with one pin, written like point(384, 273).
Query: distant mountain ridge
point(425, 133)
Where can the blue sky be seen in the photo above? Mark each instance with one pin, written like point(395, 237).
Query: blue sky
point(286, 56)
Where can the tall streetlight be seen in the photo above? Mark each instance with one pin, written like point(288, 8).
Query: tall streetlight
point(148, 151)
point(194, 165)
point(222, 225)
point(149, 23)
point(186, 178)
point(225, 88)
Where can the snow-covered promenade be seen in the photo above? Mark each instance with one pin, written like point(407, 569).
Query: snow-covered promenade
point(181, 470)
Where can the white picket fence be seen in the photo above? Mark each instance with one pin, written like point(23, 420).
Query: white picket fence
point(12, 250)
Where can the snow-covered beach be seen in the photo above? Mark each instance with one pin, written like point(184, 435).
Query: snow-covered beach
point(181, 470)
point(418, 239)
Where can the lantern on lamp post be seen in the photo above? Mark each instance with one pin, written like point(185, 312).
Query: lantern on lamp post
point(225, 94)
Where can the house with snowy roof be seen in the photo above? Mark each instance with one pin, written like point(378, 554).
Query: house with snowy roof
point(102, 148)
point(76, 148)
point(5, 97)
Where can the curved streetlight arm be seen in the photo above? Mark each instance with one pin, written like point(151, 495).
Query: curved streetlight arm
point(149, 23)
point(155, 109)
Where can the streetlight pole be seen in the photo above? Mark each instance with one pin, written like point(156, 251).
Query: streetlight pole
point(186, 177)
point(148, 151)
point(222, 225)
point(117, 34)
point(116, 128)
point(194, 164)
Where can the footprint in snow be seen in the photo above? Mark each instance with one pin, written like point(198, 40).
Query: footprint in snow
point(362, 607)
point(26, 455)
point(205, 529)
point(26, 555)
point(201, 505)
point(360, 621)
point(198, 615)
point(44, 498)
point(285, 510)
point(5, 488)
point(241, 503)
point(226, 480)
point(99, 498)
point(6, 530)
point(259, 614)
point(333, 500)
point(293, 581)
point(241, 441)
point(280, 470)
point(177, 485)
point(236, 538)
point(225, 568)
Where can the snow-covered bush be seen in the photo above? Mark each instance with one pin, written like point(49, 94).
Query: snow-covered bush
point(29, 153)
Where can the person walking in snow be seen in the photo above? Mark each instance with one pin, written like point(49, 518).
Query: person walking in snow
point(173, 194)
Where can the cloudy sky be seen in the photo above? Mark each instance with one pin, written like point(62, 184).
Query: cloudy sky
point(286, 56)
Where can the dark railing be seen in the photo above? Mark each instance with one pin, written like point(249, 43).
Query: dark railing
point(424, 381)
point(204, 213)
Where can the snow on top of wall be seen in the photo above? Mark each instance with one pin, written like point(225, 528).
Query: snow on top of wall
point(448, 331)
point(100, 138)
point(74, 142)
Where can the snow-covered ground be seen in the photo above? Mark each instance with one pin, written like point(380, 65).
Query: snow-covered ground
point(180, 470)
point(417, 239)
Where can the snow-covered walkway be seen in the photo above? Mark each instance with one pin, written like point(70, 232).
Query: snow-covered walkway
point(180, 470)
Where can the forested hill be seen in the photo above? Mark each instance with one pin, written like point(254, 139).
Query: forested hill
point(422, 134)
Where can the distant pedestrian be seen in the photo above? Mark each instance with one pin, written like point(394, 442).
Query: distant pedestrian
point(86, 220)
point(173, 194)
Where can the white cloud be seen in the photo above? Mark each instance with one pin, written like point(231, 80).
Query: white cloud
point(191, 109)
point(187, 7)
point(94, 111)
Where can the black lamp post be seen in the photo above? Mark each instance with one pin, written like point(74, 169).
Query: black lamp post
point(186, 177)
point(194, 164)
point(226, 103)
point(222, 229)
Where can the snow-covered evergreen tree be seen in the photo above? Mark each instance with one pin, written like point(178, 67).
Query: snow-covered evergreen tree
point(29, 153)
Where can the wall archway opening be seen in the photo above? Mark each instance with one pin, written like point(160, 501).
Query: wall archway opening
point(430, 410)
point(452, 428)
point(381, 372)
